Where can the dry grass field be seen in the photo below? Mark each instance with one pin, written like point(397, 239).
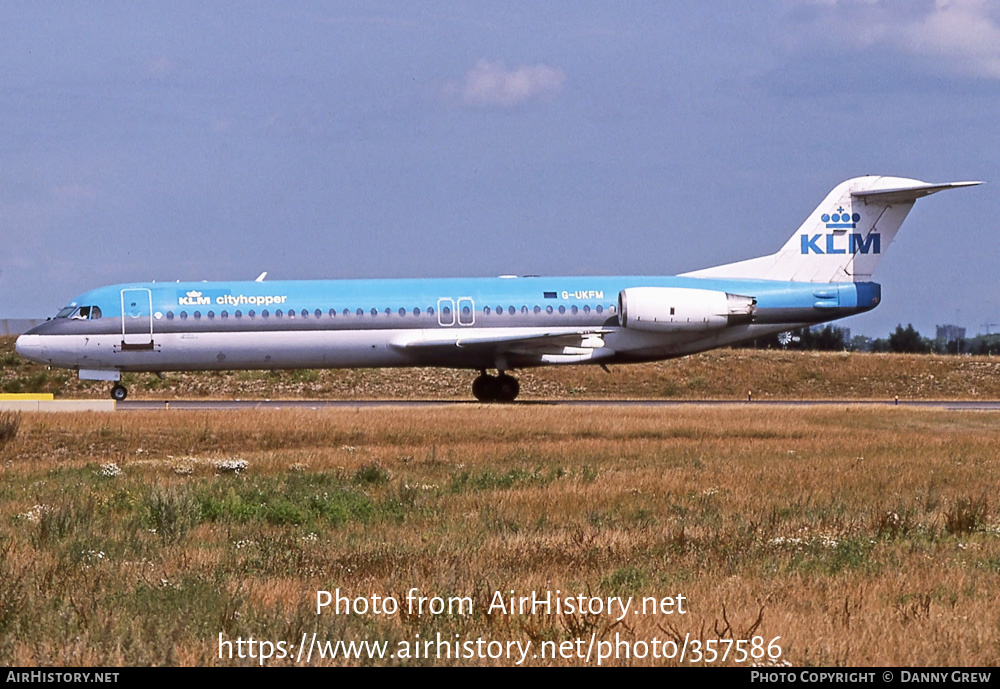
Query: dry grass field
point(858, 535)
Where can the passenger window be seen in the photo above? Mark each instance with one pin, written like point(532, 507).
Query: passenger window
point(224, 314)
point(486, 310)
point(319, 313)
point(239, 314)
point(211, 314)
point(197, 315)
point(279, 314)
point(374, 312)
point(548, 309)
point(402, 311)
point(416, 311)
point(538, 309)
point(586, 308)
point(170, 315)
point(600, 309)
point(184, 315)
point(251, 313)
point(264, 313)
point(562, 309)
point(511, 310)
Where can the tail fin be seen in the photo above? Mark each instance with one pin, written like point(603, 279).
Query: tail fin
point(844, 238)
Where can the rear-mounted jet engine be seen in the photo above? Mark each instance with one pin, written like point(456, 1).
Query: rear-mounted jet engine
point(676, 309)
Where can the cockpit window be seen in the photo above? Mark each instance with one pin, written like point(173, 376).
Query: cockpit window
point(82, 313)
point(88, 313)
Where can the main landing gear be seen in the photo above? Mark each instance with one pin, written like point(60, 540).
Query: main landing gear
point(501, 388)
point(119, 392)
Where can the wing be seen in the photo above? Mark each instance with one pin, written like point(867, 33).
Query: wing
point(550, 347)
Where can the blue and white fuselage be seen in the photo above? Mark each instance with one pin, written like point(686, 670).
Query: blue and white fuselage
point(503, 323)
point(439, 322)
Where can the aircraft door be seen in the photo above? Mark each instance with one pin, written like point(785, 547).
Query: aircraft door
point(462, 313)
point(137, 318)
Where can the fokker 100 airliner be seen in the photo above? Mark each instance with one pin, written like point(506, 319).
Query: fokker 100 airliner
point(823, 272)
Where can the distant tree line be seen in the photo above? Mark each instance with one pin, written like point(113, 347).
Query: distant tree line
point(830, 338)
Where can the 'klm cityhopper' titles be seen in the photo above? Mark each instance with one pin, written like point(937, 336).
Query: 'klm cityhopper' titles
point(196, 298)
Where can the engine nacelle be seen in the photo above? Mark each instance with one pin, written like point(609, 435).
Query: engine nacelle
point(681, 309)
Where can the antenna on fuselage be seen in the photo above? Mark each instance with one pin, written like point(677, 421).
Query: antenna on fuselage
point(260, 278)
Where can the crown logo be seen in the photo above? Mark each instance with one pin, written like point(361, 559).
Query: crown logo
point(194, 294)
point(841, 220)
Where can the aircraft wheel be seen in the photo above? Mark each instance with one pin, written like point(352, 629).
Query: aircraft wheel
point(484, 388)
point(507, 388)
point(119, 393)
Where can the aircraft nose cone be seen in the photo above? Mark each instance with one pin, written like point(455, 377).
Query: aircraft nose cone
point(30, 347)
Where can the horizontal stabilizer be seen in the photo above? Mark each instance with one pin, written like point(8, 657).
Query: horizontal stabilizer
point(904, 194)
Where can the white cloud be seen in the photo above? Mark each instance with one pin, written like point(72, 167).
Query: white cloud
point(492, 85)
point(963, 34)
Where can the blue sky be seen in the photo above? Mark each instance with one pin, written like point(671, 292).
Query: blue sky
point(324, 140)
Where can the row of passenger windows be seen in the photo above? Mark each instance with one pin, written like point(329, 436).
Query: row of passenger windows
point(445, 311)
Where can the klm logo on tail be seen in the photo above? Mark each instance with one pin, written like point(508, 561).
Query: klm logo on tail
point(841, 220)
point(841, 242)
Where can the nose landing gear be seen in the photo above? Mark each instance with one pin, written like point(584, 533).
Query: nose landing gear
point(501, 388)
point(119, 392)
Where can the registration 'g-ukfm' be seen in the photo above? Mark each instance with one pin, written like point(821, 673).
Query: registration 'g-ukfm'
point(823, 272)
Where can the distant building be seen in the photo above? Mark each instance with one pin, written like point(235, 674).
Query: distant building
point(949, 333)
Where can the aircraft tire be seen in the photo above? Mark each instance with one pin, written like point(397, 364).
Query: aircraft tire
point(507, 388)
point(119, 393)
point(484, 388)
